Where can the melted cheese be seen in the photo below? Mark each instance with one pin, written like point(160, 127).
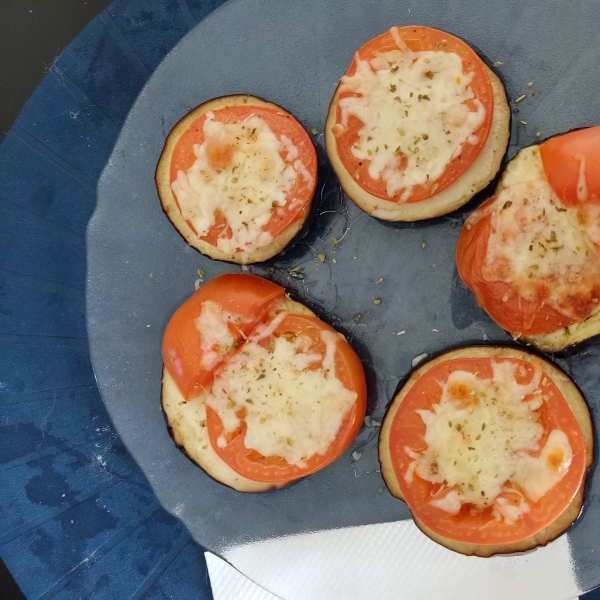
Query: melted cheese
point(535, 233)
point(537, 475)
point(537, 243)
point(216, 337)
point(509, 512)
point(239, 171)
point(590, 215)
point(412, 106)
point(294, 410)
point(450, 503)
point(485, 433)
point(526, 166)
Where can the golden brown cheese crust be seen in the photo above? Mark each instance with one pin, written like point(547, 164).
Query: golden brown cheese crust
point(477, 177)
point(169, 203)
point(187, 425)
point(576, 403)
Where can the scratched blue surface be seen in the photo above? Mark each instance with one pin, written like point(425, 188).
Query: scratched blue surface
point(78, 517)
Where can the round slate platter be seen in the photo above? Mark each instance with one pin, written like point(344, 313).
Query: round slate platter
point(140, 270)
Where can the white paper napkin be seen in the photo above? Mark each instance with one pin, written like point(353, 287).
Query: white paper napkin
point(229, 584)
point(392, 561)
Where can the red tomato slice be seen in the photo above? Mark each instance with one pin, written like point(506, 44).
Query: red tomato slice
point(245, 295)
point(349, 371)
point(503, 301)
point(281, 123)
point(572, 165)
point(419, 38)
point(480, 527)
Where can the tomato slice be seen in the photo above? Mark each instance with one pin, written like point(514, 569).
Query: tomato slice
point(503, 301)
point(248, 296)
point(572, 165)
point(418, 38)
point(349, 371)
point(282, 124)
point(471, 526)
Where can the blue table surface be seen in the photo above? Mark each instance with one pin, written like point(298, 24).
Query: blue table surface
point(78, 517)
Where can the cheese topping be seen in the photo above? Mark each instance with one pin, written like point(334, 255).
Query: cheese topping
point(243, 171)
point(511, 513)
point(415, 118)
point(590, 216)
point(216, 336)
point(526, 166)
point(484, 434)
point(537, 475)
point(294, 409)
point(537, 243)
